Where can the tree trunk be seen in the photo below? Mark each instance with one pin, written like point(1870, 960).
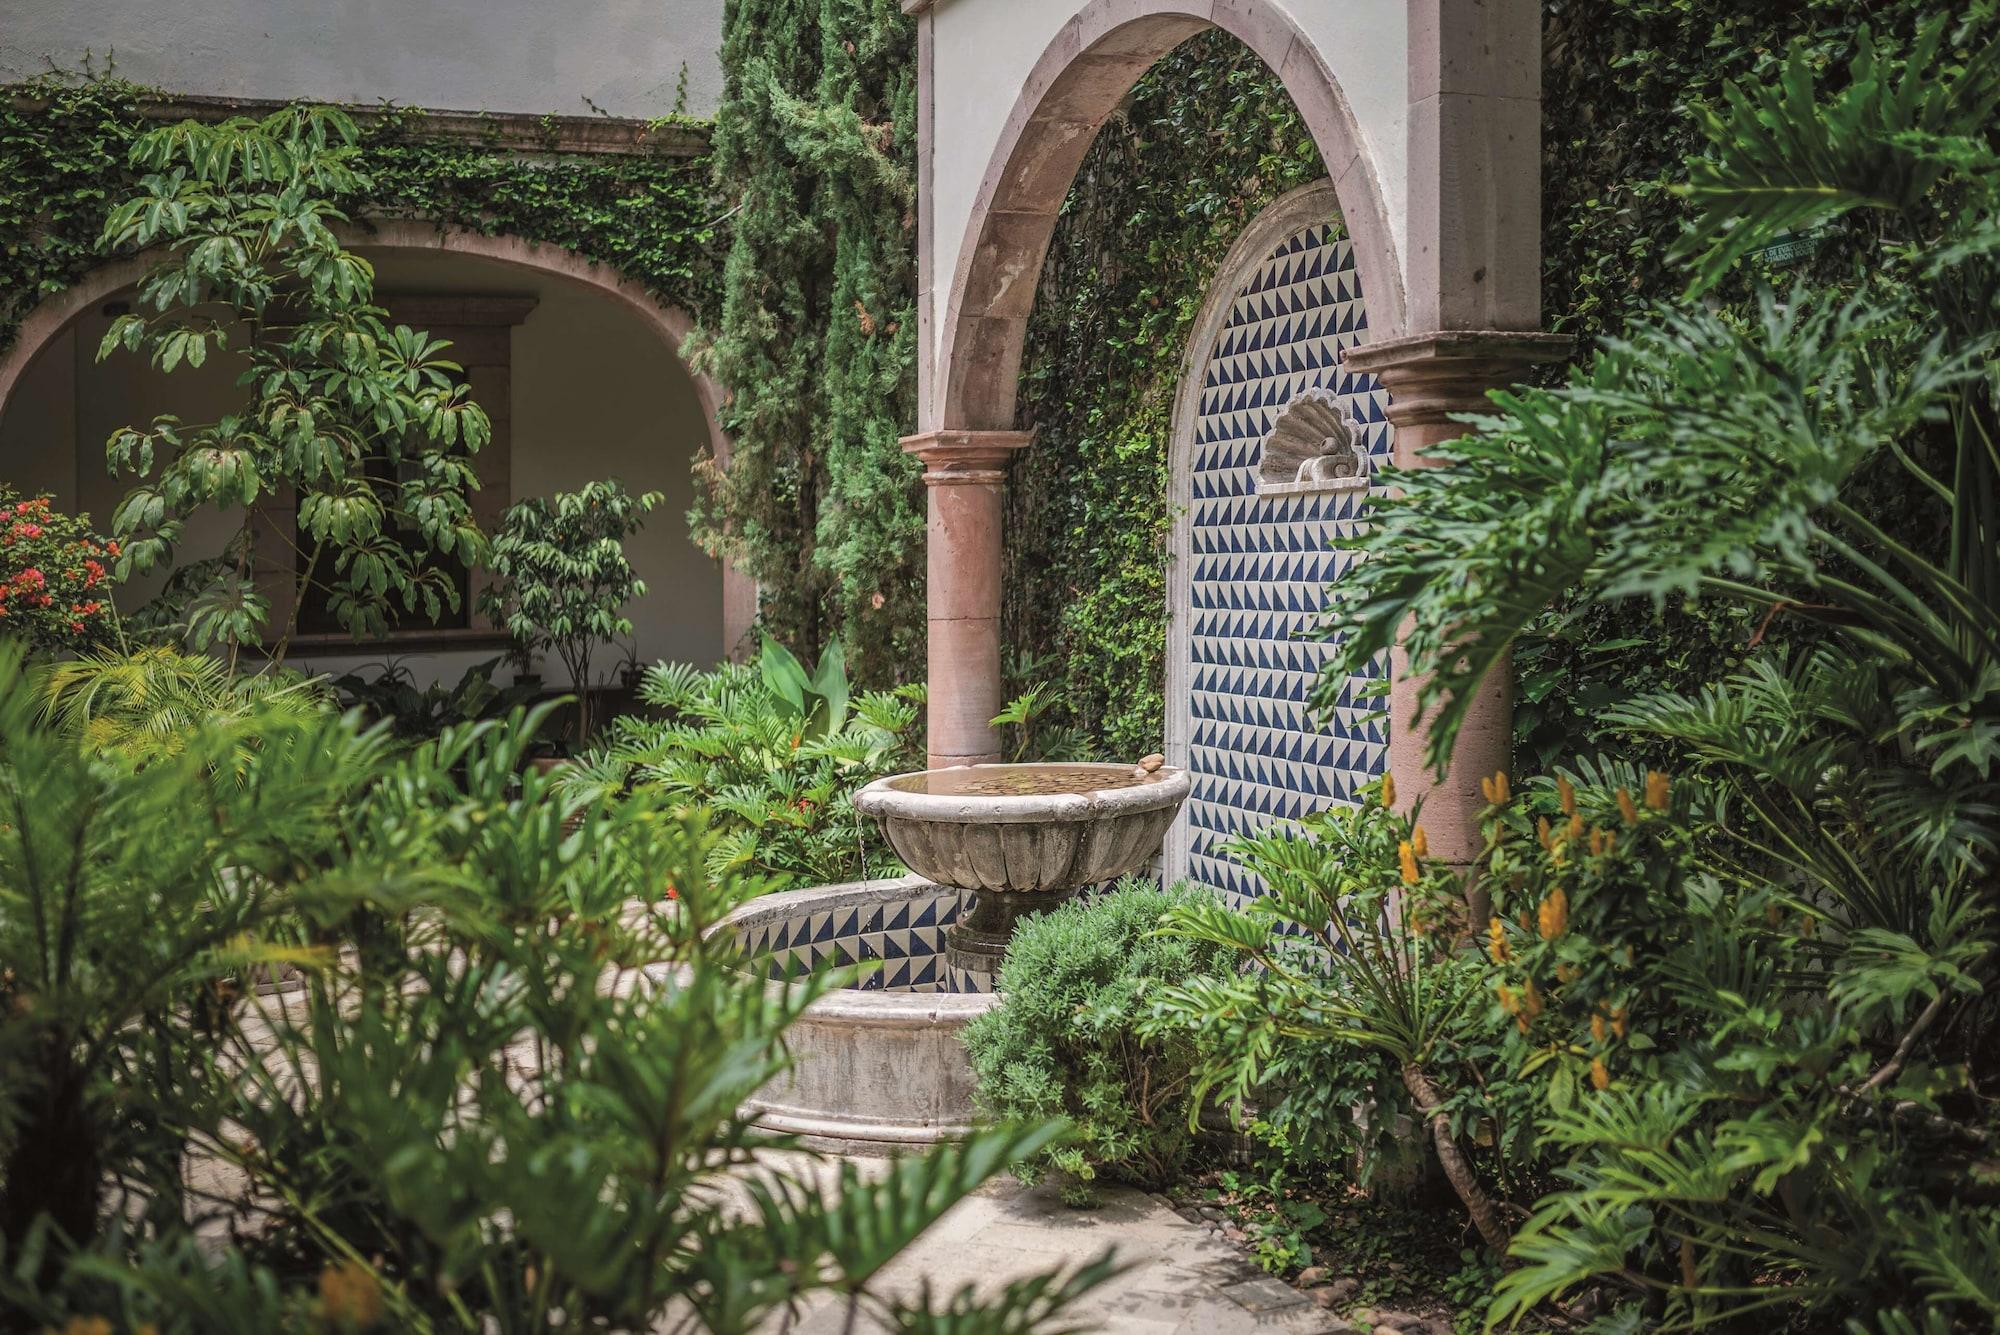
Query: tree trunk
point(1485, 1214)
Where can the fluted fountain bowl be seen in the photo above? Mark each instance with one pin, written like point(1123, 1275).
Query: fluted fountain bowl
point(1025, 829)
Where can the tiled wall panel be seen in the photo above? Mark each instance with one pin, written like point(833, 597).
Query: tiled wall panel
point(1261, 563)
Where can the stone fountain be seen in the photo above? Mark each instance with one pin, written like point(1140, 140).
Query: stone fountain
point(878, 1067)
point(1021, 838)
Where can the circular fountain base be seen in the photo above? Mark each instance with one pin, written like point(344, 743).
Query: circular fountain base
point(877, 1068)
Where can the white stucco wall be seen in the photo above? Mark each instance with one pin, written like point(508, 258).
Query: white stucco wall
point(623, 56)
point(985, 49)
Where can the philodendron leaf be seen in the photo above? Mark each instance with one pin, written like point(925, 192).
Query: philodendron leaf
point(829, 682)
point(784, 674)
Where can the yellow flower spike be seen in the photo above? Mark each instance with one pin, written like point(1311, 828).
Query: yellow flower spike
point(1420, 843)
point(1388, 790)
point(1486, 791)
point(1531, 1000)
point(1542, 832)
point(1496, 942)
point(1527, 923)
point(1500, 786)
point(1508, 1001)
point(1600, 1074)
point(1576, 826)
point(1627, 808)
point(1553, 915)
point(1597, 1028)
point(1408, 857)
point(1521, 1023)
point(1658, 791)
point(350, 1296)
point(1567, 973)
point(1566, 791)
point(1618, 1022)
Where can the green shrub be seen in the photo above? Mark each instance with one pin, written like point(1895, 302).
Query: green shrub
point(776, 754)
point(1065, 1040)
point(561, 577)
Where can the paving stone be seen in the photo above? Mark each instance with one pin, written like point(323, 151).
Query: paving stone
point(1265, 1294)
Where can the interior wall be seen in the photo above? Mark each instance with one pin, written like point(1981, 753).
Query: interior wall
point(596, 393)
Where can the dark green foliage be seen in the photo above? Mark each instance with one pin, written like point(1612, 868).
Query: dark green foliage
point(561, 578)
point(414, 713)
point(1065, 1040)
point(1755, 999)
point(1622, 87)
point(1207, 138)
point(814, 149)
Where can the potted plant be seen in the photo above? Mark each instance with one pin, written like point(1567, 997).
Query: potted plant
point(560, 577)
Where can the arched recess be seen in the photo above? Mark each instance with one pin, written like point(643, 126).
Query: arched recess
point(671, 323)
point(1252, 551)
point(1077, 83)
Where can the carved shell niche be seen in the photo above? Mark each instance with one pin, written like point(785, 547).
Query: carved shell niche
point(1312, 445)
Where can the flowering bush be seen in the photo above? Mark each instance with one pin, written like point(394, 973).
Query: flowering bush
point(55, 587)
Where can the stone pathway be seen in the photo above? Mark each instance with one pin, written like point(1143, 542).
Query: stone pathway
point(1182, 1281)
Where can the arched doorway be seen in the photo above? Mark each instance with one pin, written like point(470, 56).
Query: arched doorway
point(580, 369)
point(1427, 116)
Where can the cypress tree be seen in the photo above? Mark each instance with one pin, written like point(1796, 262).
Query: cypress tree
point(815, 340)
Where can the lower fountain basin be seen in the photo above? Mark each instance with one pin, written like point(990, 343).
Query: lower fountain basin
point(877, 1068)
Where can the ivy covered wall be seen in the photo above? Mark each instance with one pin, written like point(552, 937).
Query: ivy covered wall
point(63, 147)
point(1206, 139)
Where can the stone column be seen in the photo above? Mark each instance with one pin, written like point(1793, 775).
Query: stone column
point(1430, 378)
point(964, 473)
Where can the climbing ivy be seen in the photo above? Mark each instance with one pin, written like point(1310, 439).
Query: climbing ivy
point(64, 143)
point(815, 336)
point(1206, 140)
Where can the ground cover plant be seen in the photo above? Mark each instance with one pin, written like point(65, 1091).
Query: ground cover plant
point(1723, 1052)
point(775, 752)
point(1066, 1040)
point(503, 1096)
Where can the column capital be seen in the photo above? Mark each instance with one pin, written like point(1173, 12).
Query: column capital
point(960, 458)
point(1432, 376)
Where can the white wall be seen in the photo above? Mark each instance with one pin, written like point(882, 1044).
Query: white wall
point(624, 57)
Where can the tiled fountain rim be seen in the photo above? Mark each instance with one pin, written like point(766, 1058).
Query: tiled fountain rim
point(857, 1005)
point(873, 1071)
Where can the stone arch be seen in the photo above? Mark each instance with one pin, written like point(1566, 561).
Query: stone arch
point(1077, 83)
point(671, 323)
